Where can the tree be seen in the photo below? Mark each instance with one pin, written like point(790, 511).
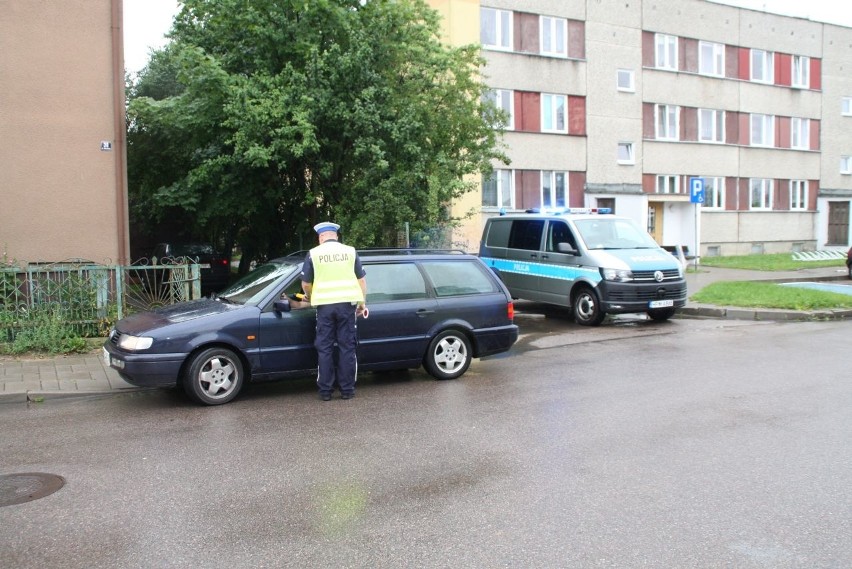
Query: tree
point(262, 118)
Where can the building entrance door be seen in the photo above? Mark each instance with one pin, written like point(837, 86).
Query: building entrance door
point(655, 221)
point(838, 223)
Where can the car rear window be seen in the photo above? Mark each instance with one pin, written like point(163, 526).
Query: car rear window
point(387, 282)
point(452, 278)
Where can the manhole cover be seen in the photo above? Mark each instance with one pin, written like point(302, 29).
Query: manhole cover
point(20, 488)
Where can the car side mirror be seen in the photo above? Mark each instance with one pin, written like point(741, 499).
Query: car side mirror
point(281, 305)
point(566, 248)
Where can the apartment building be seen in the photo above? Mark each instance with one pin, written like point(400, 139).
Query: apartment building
point(62, 131)
point(646, 106)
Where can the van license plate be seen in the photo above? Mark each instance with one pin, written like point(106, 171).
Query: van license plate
point(660, 303)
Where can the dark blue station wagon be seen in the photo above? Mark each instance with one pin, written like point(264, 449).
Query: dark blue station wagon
point(435, 309)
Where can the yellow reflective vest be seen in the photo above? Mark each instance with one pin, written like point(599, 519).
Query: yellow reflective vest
point(334, 274)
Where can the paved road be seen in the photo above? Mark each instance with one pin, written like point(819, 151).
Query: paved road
point(693, 443)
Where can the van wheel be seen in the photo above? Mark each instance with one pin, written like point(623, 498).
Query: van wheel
point(587, 307)
point(214, 377)
point(661, 314)
point(448, 356)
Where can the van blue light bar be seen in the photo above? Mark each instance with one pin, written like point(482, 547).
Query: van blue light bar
point(570, 210)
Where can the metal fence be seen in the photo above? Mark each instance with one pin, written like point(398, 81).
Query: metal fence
point(87, 297)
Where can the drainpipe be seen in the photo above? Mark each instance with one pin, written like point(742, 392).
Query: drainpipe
point(120, 134)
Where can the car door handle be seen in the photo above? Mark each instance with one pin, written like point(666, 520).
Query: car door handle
point(424, 312)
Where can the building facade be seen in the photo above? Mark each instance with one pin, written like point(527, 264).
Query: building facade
point(62, 132)
point(645, 107)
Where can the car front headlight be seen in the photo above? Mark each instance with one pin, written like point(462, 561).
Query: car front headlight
point(617, 275)
point(134, 343)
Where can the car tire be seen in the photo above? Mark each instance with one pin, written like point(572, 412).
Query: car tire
point(586, 307)
point(214, 376)
point(448, 356)
point(849, 270)
point(661, 314)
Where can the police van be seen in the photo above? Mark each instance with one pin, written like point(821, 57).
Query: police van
point(589, 260)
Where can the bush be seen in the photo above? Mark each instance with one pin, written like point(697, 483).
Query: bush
point(44, 331)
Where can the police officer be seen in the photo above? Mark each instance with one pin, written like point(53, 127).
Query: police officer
point(334, 282)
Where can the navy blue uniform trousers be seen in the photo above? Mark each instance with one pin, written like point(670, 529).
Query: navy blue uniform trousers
point(336, 323)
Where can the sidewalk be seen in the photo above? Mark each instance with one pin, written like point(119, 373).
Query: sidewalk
point(78, 375)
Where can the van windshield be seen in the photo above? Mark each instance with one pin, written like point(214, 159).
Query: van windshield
point(611, 233)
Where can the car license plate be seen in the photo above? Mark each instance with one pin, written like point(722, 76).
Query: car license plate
point(660, 303)
point(204, 265)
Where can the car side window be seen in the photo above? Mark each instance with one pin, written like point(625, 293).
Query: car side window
point(558, 232)
point(526, 234)
point(452, 278)
point(387, 282)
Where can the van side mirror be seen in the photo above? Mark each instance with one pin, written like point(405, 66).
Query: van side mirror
point(281, 305)
point(566, 248)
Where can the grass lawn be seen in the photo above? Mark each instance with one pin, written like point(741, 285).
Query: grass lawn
point(770, 295)
point(774, 262)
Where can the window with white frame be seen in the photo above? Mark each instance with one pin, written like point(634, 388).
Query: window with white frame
point(846, 106)
point(625, 80)
point(554, 33)
point(711, 58)
point(498, 189)
point(668, 184)
point(762, 66)
point(801, 71)
point(800, 133)
point(846, 164)
point(760, 193)
point(665, 51)
point(495, 28)
point(553, 113)
point(625, 153)
point(798, 194)
point(762, 130)
point(504, 100)
point(554, 189)
point(667, 119)
point(714, 193)
point(711, 125)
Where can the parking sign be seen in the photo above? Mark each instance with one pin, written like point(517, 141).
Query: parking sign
point(696, 190)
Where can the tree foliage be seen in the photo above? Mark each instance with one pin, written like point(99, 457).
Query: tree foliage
point(263, 117)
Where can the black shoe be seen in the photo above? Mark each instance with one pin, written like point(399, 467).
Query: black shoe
point(325, 396)
point(347, 395)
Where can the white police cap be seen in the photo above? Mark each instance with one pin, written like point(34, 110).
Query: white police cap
point(326, 226)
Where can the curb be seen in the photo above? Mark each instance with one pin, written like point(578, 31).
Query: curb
point(41, 396)
point(762, 314)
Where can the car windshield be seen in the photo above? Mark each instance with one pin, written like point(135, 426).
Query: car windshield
point(251, 288)
point(611, 233)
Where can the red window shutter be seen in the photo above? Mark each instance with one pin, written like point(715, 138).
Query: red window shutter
point(648, 55)
point(814, 134)
point(732, 127)
point(530, 111)
point(816, 74)
point(783, 69)
point(745, 64)
point(577, 39)
point(576, 188)
point(732, 62)
point(783, 132)
point(527, 32)
point(689, 47)
point(688, 123)
point(649, 183)
point(744, 129)
point(577, 115)
point(648, 127)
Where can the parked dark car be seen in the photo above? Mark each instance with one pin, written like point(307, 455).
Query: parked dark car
point(436, 309)
point(215, 267)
